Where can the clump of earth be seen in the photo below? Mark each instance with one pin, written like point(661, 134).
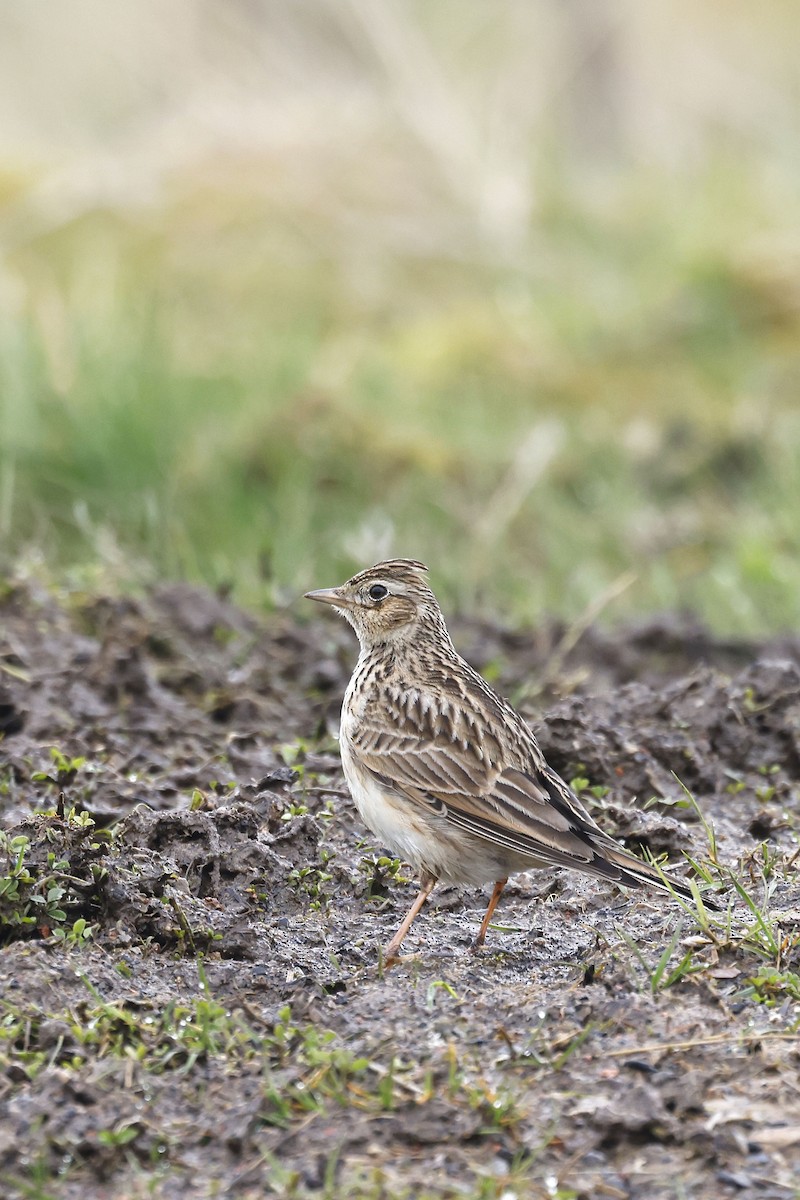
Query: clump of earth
point(192, 996)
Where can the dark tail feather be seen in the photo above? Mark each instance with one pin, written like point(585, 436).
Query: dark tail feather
point(616, 863)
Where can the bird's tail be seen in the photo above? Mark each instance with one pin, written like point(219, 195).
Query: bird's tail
point(616, 863)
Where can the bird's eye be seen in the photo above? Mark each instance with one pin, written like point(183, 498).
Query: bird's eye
point(378, 591)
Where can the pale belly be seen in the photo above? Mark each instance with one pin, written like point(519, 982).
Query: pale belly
point(427, 841)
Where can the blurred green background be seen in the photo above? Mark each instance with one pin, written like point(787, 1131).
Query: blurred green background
point(511, 287)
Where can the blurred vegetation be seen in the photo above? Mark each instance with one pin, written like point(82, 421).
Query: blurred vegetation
point(265, 361)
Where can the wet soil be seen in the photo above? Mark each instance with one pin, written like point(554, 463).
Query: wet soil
point(227, 1029)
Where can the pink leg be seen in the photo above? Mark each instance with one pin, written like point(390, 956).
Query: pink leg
point(496, 894)
point(390, 954)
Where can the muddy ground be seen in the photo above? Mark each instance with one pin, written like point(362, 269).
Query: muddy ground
point(221, 1025)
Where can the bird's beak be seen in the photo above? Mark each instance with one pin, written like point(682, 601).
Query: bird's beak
point(328, 596)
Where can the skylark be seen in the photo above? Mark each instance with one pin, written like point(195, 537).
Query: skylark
point(443, 770)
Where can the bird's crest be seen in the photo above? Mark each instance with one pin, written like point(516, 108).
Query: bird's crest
point(409, 570)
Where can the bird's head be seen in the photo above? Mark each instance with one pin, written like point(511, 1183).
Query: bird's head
point(390, 602)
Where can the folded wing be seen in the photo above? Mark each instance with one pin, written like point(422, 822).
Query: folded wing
point(492, 782)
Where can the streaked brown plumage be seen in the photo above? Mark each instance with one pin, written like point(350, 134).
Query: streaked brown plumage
point(444, 770)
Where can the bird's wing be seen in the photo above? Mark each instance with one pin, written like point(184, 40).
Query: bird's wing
point(484, 772)
point(478, 765)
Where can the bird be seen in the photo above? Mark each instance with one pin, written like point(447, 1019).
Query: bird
point(443, 770)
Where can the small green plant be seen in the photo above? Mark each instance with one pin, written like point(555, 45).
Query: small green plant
point(771, 986)
point(386, 1085)
point(78, 818)
point(40, 887)
point(497, 1105)
point(764, 935)
point(771, 936)
point(65, 769)
point(16, 1044)
point(711, 837)
point(380, 869)
point(304, 1067)
point(28, 900)
point(438, 985)
point(120, 1135)
point(769, 859)
point(294, 810)
point(581, 784)
point(198, 801)
point(39, 1181)
point(183, 1034)
point(660, 975)
point(314, 880)
point(78, 935)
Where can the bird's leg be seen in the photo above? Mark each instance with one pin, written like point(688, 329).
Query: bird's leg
point(427, 884)
point(496, 894)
